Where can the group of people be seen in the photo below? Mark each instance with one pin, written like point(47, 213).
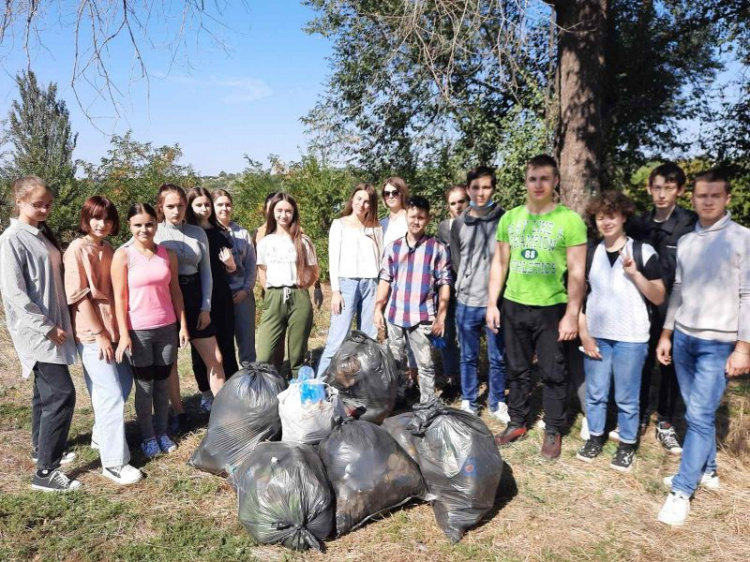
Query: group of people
point(582, 311)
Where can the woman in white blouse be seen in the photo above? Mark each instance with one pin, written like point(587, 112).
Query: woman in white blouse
point(355, 244)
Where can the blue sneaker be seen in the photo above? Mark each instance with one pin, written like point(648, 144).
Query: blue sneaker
point(150, 448)
point(166, 444)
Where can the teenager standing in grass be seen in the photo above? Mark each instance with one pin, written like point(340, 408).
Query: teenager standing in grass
point(706, 333)
point(537, 243)
point(200, 213)
point(662, 227)
point(151, 321)
point(415, 285)
point(355, 245)
point(614, 329)
point(190, 245)
point(456, 200)
point(88, 286)
point(472, 247)
point(36, 312)
point(241, 283)
point(287, 268)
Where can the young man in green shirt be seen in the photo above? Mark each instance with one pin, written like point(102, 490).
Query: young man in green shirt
point(536, 244)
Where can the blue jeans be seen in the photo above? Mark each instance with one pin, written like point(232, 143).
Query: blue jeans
point(470, 321)
point(624, 360)
point(699, 365)
point(109, 385)
point(359, 298)
point(450, 353)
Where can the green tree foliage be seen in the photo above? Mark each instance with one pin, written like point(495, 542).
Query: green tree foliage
point(132, 172)
point(42, 143)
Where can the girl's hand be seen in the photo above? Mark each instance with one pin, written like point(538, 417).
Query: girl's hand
point(124, 346)
point(106, 352)
point(184, 336)
point(204, 319)
point(226, 257)
point(590, 348)
point(57, 336)
point(337, 303)
point(664, 350)
point(628, 263)
point(239, 296)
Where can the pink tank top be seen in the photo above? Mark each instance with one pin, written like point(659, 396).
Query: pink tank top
point(149, 299)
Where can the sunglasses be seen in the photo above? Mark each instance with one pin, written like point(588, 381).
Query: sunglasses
point(388, 193)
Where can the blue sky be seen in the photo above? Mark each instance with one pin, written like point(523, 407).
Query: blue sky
point(218, 106)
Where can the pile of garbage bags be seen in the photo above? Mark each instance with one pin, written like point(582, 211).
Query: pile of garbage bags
point(330, 473)
point(365, 374)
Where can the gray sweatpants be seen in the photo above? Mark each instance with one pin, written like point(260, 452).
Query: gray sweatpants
point(416, 338)
point(151, 407)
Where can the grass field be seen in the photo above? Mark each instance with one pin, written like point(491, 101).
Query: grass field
point(566, 510)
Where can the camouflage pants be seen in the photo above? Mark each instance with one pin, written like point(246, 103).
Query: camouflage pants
point(416, 338)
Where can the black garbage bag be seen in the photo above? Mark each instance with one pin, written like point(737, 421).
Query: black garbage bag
point(244, 413)
point(284, 495)
point(398, 428)
point(369, 472)
point(459, 460)
point(365, 374)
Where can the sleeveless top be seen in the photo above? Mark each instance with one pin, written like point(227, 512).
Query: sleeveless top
point(149, 299)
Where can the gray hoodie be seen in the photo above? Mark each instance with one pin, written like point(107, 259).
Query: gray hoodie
point(711, 294)
point(473, 241)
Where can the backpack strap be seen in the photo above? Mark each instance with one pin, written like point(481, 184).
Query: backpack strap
point(638, 255)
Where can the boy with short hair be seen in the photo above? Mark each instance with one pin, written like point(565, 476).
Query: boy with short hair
point(472, 248)
point(661, 228)
point(709, 320)
point(416, 273)
point(536, 244)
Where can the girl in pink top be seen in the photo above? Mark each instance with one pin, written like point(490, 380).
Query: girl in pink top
point(148, 301)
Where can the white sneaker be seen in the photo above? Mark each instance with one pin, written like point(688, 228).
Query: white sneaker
point(207, 401)
point(540, 424)
point(675, 510)
point(501, 413)
point(125, 474)
point(585, 435)
point(614, 435)
point(466, 407)
point(709, 481)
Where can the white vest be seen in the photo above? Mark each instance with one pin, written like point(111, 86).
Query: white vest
point(615, 308)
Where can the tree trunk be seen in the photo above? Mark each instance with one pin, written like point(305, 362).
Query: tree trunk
point(582, 26)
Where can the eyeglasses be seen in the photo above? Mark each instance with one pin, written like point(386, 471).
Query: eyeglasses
point(38, 205)
point(388, 193)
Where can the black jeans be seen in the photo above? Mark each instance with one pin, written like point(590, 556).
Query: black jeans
point(51, 413)
point(669, 389)
point(222, 318)
point(529, 330)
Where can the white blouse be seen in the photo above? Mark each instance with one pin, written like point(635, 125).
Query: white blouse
point(353, 253)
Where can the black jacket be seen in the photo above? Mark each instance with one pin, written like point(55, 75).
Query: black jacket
point(663, 237)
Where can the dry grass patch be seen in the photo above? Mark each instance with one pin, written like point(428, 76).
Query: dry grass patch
point(566, 510)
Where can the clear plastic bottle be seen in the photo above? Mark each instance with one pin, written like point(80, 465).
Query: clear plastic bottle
point(311, 390)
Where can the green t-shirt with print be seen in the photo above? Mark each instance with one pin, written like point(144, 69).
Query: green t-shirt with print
point(538, 253)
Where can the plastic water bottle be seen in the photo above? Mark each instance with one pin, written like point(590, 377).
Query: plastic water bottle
point(311, 390)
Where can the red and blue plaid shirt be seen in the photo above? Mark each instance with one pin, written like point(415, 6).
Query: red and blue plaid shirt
point(415, 273)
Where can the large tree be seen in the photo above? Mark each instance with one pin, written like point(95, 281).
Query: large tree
point(608, 81)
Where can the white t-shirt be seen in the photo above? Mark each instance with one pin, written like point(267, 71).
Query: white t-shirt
point(353, 253)
point(278, 254)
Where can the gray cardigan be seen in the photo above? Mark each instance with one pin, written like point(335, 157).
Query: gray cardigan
point(33, 291)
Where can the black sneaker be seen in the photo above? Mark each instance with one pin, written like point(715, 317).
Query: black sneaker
point(590, 450)
point(665, 434)
point(623, 459)
point(54, 481)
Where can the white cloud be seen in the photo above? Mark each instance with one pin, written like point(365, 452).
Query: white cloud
point(234, 90)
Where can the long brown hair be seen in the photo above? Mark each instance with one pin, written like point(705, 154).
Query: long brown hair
point(304, 271)
point(190, 217)
point(371, 218)
point(402, 187)
point(164, 190)
point(22, 188)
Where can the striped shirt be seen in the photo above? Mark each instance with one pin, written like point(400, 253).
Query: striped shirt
point(415, 273)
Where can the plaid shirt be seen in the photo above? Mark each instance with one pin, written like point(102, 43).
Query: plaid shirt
point(414, 275)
